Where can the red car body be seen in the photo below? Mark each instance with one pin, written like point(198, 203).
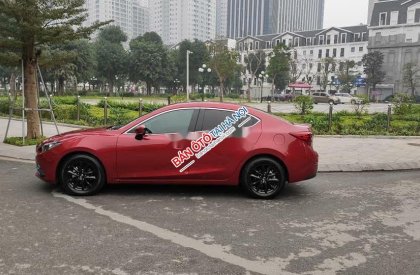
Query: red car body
point(126, 159)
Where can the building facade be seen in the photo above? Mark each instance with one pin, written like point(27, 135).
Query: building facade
point(260, 17)
point(309, 49)
point(221, 18)
point(177, 20)
point(395, 31)
point(131, 15)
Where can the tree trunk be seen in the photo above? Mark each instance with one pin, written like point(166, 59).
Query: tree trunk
point(31, 100)
point(12, 83)
point(221, 90)
point(61, 85)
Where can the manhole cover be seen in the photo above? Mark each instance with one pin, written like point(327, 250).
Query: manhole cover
point(414, 144)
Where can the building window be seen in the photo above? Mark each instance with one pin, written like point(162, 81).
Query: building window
point(257, 45)
point(277, 42)
point(342, 52)
point(311, 52)
point(334, 52)
point(327, 53)
point(336, 39)
point(353, 49)
point(360, 49)
point(364, 36)
point(394, 18)
point(304, 52)
point(343, 37)
point(284, 42)
point(320, 54)
point(250, 46)
point(321, 40)
point(417, 16)
point(308, 41)
point(241, 46)
point(357, 37)
point(319, 68)
point(296, 41)
point(328, 39)
point(267, 45)
point(382, 19)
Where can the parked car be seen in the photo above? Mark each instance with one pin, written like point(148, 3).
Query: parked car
point(323, 97)
point(280, 97)
point(180, 144)
point(347, 98)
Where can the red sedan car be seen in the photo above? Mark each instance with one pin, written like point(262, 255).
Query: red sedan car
point(188, 143)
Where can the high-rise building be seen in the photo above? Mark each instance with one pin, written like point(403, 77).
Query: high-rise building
point(221, 18)
point(131, 15)
point(259, 17)
point(177, 20)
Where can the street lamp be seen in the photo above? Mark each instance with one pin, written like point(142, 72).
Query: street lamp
point(188, 74)
point(176, 81)
point(261, 77)
point(203, 70)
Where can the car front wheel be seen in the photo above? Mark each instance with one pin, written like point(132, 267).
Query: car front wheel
point(82, 175)
point(263, 178)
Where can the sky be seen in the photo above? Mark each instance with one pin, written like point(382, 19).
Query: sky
point(343, 13)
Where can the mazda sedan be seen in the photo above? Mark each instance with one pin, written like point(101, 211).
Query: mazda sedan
point(189, 143)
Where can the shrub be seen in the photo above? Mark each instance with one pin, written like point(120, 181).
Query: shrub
point(303, 104)
point(403, 104)
point(362, 106)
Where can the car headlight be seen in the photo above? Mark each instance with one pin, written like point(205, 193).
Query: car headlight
point(49, 145)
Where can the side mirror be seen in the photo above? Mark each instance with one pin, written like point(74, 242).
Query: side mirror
point(141, 132)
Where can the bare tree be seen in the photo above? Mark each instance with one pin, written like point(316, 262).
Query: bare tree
point(410, 71)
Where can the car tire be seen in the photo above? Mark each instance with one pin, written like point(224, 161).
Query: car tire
point(263, 178)
point(82, 175)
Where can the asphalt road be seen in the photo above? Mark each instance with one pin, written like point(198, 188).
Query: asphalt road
point(336, 223)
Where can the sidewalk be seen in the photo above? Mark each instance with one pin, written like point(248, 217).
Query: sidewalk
point(336, 153)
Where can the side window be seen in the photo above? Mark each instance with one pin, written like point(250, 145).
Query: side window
point(212, 118)
point(177, 121)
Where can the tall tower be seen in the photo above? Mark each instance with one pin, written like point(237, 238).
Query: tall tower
point(297, 15)
point(258, 17)
point(177, 20)
point(221, 18)
point(130, 15)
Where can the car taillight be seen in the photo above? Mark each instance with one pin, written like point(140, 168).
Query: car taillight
point(305, 136)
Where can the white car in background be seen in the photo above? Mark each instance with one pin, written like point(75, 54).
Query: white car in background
point(348, 98)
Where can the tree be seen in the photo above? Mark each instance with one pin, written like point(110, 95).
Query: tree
point(308, 71)
point(255, 63)
point(111, 57)
point(223, 62)
point(26, 26)
point(327, 67)
point(278, 68)
point(295, 70)
point(410, 71)
point(149, 61)
point(372, 63)
point(199, 56)
point(345, 76)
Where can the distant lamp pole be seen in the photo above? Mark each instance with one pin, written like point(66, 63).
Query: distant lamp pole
point(176, 82)
point(203, 69)
point(188, 74)
point(261, 77)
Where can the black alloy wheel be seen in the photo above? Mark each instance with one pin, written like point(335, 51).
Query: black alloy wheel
point(263, 178)
point(82, 175)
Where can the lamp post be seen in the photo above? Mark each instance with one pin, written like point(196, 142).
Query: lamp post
point(261, 76)
point(203, 69)
point(188, 74)
point(176, 82)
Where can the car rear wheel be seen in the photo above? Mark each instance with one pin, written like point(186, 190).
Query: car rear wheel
point(263, 178)
point(353, 101)
point(82, 175)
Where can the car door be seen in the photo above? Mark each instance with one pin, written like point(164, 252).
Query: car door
point(149, 159)
point(219, 163)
